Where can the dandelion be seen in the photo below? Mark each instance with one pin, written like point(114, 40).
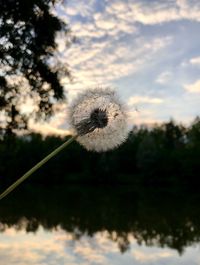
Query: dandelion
point(99, 121)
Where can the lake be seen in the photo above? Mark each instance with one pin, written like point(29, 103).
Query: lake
point(91, 225)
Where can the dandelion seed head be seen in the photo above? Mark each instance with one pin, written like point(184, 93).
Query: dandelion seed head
point(99, 119)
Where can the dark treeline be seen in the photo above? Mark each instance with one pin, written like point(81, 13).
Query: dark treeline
point(165, 154)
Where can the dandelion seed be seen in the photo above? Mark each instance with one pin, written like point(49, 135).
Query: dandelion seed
point(99, 120)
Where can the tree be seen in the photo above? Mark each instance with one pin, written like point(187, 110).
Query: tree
point(28, 31)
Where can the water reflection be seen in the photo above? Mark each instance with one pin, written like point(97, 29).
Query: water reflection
point(60, 248)
point(136, 222)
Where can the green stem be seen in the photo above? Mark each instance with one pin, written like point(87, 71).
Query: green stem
point(36, 167)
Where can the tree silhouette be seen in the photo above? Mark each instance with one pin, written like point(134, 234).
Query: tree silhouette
point(27, 43)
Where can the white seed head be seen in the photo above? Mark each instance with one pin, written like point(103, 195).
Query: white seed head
point(99, 119)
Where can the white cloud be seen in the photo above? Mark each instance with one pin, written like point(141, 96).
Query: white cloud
point(139, 116)
point(102, 63)
point(19, 248)
point(112, 25)
point(74, 8)
point(103, 23)
point(164, 77)
point(195, 60)
point(57, 125)
point(154, 13)
point(113, 47)
point(87, 30)
point(193, 87)
point(59, 247)
point(145, 257)
point(46, 129)
point(140, 100)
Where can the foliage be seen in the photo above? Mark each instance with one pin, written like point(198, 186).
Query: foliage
point(27, 43)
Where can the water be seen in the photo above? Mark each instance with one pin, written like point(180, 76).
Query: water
point(90, 225)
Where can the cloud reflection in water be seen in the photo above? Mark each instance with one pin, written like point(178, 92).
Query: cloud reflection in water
point(59, 247)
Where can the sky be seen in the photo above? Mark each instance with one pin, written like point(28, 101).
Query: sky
point(148, 50)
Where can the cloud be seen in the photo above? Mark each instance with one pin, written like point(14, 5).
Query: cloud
point(195, 60)
point(87, 30)
point(104, 53)
point(57, 125)
point(74, 8)
point(18, 247)
point(164, 78)
point(141, 116)
point(89, 254)
point(193, 88)
point(108, 61)
point(112, 25)
point(102, 63)
point(103, 23)
point(59, 247)
point(123, 44)
point(144, 257)
point(154, 12)
point(46, 129)
point(140, 100)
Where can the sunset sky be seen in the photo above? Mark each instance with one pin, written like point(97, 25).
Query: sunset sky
point(149, 51)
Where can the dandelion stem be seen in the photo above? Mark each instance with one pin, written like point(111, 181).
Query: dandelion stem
point(36, 167)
